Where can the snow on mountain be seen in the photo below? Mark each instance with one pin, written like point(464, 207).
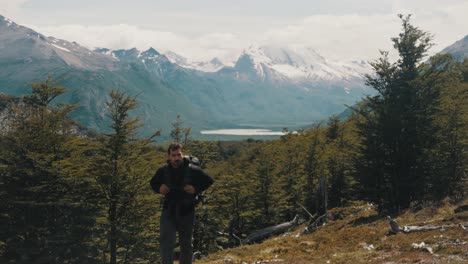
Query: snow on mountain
point(25, 43)
point(75, 54)
point(67, 46)
point(213, 65)
point(304, 64)
point(7, 21)
point(248, 67)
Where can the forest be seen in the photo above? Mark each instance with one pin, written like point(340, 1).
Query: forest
point(70, 195)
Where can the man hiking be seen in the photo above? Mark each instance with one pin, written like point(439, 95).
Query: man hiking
point(180, 182)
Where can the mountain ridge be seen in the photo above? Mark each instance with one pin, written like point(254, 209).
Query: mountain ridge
point(459, 49)
point(251, 91)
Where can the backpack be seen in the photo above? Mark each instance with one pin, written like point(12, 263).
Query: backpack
point(192, 161)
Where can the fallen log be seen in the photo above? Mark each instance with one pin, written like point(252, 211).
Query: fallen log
point(395, 227)
point(269, 231)
point(312, 226)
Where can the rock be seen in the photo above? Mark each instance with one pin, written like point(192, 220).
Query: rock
point(366, 246)
point(423, 246)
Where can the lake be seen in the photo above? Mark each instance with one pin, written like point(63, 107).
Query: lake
point(242, 132)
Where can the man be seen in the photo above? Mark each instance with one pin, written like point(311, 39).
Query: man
point(179, 181)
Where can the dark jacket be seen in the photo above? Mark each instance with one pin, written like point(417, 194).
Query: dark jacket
point(176, 179)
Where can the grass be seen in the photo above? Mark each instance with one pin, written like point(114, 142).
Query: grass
point(357, 234)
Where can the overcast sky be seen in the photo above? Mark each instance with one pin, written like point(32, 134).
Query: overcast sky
point(202, 29)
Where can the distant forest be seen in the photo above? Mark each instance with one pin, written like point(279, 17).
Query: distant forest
point(69, 195)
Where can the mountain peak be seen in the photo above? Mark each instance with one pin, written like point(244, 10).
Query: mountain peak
point(270, 54)
point(212, 65)
point(245, 62)
point(126, 55)
point(216, 61)
point(151, 52)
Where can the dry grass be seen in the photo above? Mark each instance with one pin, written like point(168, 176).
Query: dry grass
point(357, 234)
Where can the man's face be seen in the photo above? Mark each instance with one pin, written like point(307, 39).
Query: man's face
point(175, 158)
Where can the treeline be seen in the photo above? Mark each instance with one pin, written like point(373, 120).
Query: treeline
point(69, 195)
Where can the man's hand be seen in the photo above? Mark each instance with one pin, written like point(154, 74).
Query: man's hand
point(164, 189)
point(189, 189)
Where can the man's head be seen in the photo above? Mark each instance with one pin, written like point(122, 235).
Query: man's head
point(175, 155)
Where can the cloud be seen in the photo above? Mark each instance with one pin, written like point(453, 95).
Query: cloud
point(11, 8)
point(337, 36)
point(123, 36)
point(345, 36)
point(120, 36)
point(355, 36)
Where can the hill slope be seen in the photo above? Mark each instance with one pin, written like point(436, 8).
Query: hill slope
point(357, 234)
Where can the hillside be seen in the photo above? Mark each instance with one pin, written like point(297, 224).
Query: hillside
point(357, 234)
point(459, 49)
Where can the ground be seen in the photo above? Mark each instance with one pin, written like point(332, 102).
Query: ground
point(358, 234)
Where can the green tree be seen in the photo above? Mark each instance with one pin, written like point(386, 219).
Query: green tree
point(446, 155)
point(179, 133)
point(314, 166)
point(43, 219)
point(288, 171)
point(341, 154)
point(122, 166)
point(394, 122)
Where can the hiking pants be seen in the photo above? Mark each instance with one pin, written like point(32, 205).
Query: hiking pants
point(171, 222)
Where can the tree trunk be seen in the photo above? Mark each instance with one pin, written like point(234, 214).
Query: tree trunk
point(322, 198)
point(113, 234)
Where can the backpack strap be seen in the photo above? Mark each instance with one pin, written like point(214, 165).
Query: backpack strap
point(198, 196)
point(167, 176)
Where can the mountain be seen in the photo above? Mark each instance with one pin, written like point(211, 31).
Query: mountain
point(270, 87)
point(459, 49)
point(27, 56)
point(212, 65)
point(304, 64)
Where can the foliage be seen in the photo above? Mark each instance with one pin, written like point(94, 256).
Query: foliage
point(121, 168)
point(396, 125)
point(44, 218)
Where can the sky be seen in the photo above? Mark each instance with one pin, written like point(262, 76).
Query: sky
point(204, 29)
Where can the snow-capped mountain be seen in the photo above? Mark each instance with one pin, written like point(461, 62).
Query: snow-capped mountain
point(281, 63)
point(152, 60)
point(133, 55)
point(213, 65)
point(304, 64)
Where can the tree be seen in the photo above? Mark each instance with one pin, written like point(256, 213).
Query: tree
point(314, 167)
point(341, 154)
point(446, 157)
point(179, 133)
point(392, 144)
point(122, 164)
point(43, 219)
point(289, 170)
